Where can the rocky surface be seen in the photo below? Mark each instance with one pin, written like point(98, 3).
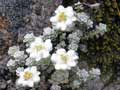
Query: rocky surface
point(113, 86)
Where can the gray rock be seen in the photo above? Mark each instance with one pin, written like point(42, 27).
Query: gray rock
point(92, 85)
point(113, 86)
point(3, 84)
point(95, 85)
point(39, 18)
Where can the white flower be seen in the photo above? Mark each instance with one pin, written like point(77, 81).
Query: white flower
point(64, 18)
point(83, 74)
point(39, 49)
point(12, 50)
point(28, 77)
point(64, 60)
point(95, 72)
point(47, 31)
point(11, 63)
point(29, 37)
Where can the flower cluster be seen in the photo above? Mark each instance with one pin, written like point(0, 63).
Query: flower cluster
point(56, 48)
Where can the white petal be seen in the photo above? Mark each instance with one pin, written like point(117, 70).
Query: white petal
point(61, 51)
point(74, 18)
point(63, 28)
point(46, 54)
point(72, 54)
point(61, 66)
point(38, 58)
point(59, 9)
point(33, 69)
point(53, 19)
point(38, 39)
point(61, 25)
point(48, 44)
point(54, 57)
point(69, 11)
point(19, 81)
point(57, 67)
point(69, 22)
point(30, 84)
point(27, 69)
point(36, 79)
point(72, 63)
point(33, 55)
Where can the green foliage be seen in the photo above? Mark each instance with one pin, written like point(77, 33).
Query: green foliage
point(104, 51)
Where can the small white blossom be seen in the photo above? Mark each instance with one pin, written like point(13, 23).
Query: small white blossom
point(11, 63)
point(39, 49)
point(28, 77)
point(12, 50)
point(64, 60)
point(95, 72)
point(47, 31)
point(83, 74)
point(29, 37)
point(64, 17)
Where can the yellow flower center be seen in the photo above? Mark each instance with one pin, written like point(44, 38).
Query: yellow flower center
point(39, 47)
point(62, 17)
point(27, 75)
point(64, 57)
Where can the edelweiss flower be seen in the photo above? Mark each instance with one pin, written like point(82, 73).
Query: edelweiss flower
point(39, 49)
point(64, 60)
point(28, 77)
point(64, 17)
